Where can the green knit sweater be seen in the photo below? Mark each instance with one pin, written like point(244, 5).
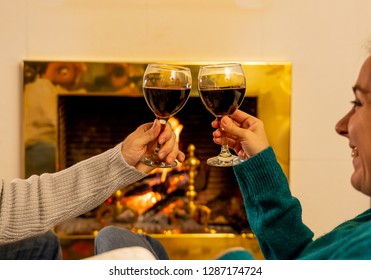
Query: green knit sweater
point(275, 218)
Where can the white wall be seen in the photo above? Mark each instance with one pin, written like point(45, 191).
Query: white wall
point(324, 40)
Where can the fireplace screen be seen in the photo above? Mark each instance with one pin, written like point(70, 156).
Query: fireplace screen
point(74, 110)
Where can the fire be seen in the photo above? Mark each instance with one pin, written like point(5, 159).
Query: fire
point(142, 202)
point(177, 127)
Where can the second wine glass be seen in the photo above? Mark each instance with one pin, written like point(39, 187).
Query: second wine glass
point(166, 90)
point(222, 90)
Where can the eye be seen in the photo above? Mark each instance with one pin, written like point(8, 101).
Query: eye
point(356, 103)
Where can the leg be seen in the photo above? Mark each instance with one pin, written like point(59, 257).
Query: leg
point(110, 238)
point(42, 247)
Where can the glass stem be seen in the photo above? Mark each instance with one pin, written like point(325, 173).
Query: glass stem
point(224, 151)
point(158, 147)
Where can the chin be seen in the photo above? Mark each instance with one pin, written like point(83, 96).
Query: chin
point(355, 181)
point(364, 188)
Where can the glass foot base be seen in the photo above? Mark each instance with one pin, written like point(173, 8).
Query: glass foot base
point(219, 161)
point(155, 162)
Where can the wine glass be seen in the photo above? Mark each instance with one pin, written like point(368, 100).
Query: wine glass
point(166, 90)
point(222, 90)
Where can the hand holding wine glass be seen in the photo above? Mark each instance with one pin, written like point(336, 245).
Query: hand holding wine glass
point(222, 90)
point(166, 90)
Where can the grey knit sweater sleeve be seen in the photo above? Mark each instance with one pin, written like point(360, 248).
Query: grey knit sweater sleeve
point(34, 205)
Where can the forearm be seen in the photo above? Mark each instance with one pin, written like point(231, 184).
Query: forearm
point(273, 213)
point(32, 206)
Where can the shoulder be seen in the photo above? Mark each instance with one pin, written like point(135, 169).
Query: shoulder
point(357, 244)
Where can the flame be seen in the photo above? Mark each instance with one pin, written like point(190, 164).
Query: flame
point(142, 202)
point(164, 174)
point(177, 127)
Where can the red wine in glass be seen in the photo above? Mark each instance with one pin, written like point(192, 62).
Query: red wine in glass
point(166, 90)
point(166, 102)
point(222, 90)
point(223, 101)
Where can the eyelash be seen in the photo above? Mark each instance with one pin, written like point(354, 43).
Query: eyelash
point(356, 103)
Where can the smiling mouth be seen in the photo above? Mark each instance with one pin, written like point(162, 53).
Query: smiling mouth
point(354, 152)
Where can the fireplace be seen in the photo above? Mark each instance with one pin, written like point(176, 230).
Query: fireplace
point(81, 109)
point(91, 124)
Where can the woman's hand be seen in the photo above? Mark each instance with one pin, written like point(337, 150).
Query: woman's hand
point(245, 133)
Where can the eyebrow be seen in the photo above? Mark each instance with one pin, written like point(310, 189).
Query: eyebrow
point(361, 90)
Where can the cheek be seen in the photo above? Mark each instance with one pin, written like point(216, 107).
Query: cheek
point(359, 127)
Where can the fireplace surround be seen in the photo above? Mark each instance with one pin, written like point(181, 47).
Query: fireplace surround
point(74, 110)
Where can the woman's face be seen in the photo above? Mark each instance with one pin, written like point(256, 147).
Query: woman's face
point(356, 126)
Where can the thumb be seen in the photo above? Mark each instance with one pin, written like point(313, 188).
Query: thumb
point(230, 127)
point(151, 133)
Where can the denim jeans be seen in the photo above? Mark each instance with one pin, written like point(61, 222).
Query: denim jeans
point(110, 238)
point(42, 247)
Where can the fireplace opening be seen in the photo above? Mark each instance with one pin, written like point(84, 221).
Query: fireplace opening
point(90, 124)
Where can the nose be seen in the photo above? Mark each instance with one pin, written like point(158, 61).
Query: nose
point(342, 125)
